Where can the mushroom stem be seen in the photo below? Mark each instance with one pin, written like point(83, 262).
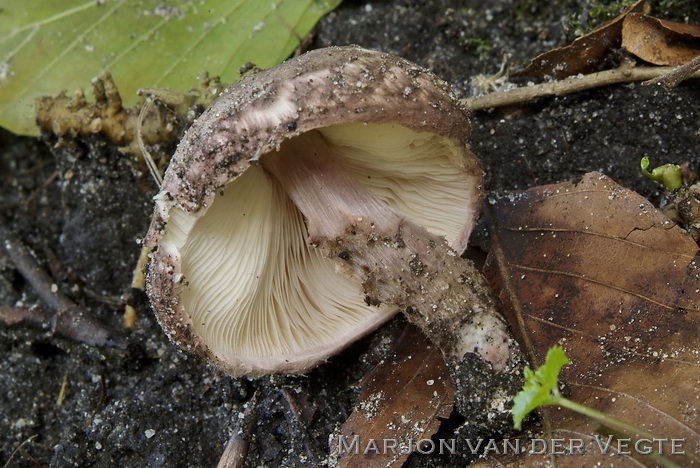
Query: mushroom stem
point(397, 261)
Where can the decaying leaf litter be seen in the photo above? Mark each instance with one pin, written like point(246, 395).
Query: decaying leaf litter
point(404, 397)
point(559, 251)
point(607, 55)
point(514, 178)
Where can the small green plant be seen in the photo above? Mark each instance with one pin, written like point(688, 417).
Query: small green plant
point(478, 45)
point(593, 14)
point(541, 388)
point(599, 12)
point(669, 175)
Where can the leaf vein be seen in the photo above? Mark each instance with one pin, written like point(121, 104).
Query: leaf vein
point(601, 283)
point(51, 19)
point(655, 248)
point(195, 43)
point(78, 38)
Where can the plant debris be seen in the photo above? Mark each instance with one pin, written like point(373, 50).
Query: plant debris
point(155, 406)
point(586, 54)
point(401, 401)
point(582, 64)
point(68, 319)
point(653, 40)
point(658, 41)
point(561, 259)
point(236, 451)
point(677, 75)
point(129, 129)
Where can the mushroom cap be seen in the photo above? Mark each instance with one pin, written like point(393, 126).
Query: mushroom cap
point(231, 276)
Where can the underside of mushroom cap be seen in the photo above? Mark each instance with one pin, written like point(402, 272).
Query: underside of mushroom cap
point(231, 276)
point(321, 88)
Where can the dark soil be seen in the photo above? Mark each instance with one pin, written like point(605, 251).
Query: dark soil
point(82, 210)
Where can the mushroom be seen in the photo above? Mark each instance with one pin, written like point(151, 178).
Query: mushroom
point(312, 201)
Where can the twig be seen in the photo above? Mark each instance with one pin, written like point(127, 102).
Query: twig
point(100, 402)
point(13, 315)
point(62, 392)
point(14, 452)
point(294, 416)
point(624, 74)
point(236, 451)
point(68, 319)
point(677, 75)
point(27, 201)
point(138, 281)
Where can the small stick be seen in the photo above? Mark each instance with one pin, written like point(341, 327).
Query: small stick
point(100, 402)
point(27, 201)
point(62, 392)
point(677, 75)
point(68, 320)
point(14, 452)
point(236, 451)
point(13, 315)
point(624, 74)
point(138, 281)
point(294, 415)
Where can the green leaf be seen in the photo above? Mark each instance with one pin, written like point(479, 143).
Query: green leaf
point(50, 46)
point(541, 386)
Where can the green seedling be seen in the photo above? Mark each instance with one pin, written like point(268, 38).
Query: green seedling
point(541, 388)
point(669, 175)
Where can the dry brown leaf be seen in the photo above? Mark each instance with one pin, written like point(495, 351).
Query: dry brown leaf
point(597, 269)
point(659, 41)
point(585, 54)
point(400, 401)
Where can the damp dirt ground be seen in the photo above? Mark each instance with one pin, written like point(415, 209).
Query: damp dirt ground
point(82, 210)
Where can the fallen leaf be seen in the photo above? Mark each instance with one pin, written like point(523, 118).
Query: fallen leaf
point(585, 54)
point(46, 47)
point(659, 41)
point(597, 269)
point(400, 401)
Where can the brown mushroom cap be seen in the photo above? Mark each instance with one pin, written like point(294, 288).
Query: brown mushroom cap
point(231, 275)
